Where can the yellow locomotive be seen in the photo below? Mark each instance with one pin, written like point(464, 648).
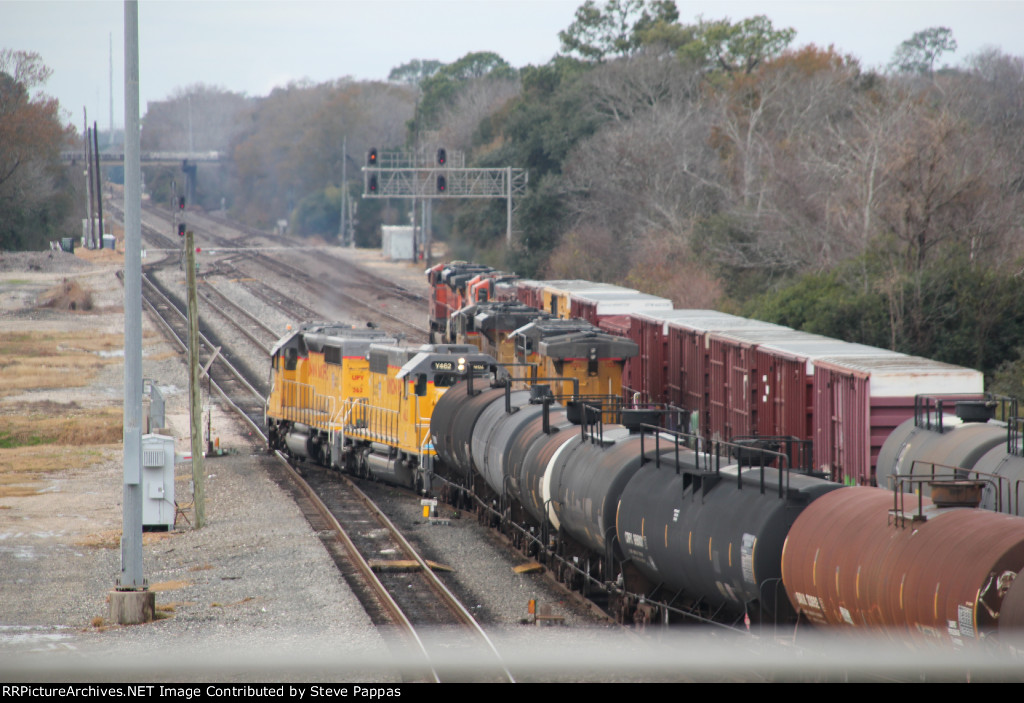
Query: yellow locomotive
point(573, 349)
point(313, 368)
point(356, 400)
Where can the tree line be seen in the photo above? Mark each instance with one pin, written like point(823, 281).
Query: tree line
point(718, 163)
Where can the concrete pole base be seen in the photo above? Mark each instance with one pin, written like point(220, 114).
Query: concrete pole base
point(132, 607)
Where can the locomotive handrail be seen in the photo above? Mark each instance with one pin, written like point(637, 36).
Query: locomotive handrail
point(301, 402)
point(379, 423)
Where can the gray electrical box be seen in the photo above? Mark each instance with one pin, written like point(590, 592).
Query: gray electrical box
point(157, 482)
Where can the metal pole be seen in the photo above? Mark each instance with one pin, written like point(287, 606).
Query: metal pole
point(508, 184)
point(99, 185)
point(344, 189)
point(428, 238)
point(195, 407)
point(110, 137)
point(131, 529)
point(90, 242)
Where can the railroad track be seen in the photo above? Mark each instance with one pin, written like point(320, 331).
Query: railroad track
point(267, 293)
point(245, 396)
point(389, 600)
point(372, 289)
point(328, 291)
point(254, 329)
point(415, 594)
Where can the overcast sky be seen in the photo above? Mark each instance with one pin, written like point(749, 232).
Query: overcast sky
point(251, 46)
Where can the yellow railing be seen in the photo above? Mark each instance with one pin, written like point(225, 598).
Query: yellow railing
point(370, 422)
point(300, 402)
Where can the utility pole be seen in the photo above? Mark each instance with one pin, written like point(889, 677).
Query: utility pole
point(195, 406)
point(132, 602)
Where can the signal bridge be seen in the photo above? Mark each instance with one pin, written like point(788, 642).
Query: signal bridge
point(410, 175)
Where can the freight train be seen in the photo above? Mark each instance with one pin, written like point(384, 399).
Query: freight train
point(656, 514)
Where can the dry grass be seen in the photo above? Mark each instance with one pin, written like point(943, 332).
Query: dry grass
point(48, 360)
point(21, 490)
point(111, 539)
point(174, 605)
point(62, 424)
point(36, 443)
point(41, 437)
point(102, 256)
point(247, 599)
point(22, 469)
point(169, 586)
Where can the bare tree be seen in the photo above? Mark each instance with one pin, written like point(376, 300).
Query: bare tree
point(479, 99)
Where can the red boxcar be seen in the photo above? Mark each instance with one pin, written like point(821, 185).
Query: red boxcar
point(594, 306)
point(859, 401)
point(740, 392)
point(698, 371)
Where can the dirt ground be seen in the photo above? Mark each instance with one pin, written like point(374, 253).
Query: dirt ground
point(61, 412)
